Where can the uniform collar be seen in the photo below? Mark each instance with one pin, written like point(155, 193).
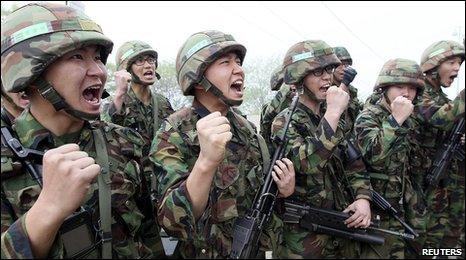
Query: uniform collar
point(241, 132)
point(34, 135)
point(429, 88)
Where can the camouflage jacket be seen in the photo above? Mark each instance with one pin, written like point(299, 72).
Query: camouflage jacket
point(437, 110)
point(281, 101)
point(324, 179)
point(176, 149)
point(433, 136)
point(393, 157)
point(354, 108)
point(319, 157)
point(437, 115)
point(136, 115)
point(132, 235)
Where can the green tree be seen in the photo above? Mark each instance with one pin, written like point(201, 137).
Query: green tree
point(257, 84)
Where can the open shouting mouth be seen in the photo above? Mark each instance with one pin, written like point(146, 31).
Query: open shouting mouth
point(92, 96)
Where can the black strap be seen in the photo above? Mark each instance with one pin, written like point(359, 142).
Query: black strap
point(24, 155)
point(6, 118)
point(8, 206)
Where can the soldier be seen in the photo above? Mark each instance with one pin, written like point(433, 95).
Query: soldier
point(440, 63)
point(281, 101)
point(318, 147)
point(213, 157)
point(85, 197)
point(387, 133)
point(354, 106)
point(138, 107)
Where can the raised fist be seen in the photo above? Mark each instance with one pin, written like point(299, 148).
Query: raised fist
point(122, 80)
point(348, 76)
point(402, 108)
point(213, 133)
point(67, 176)
point(337, 100)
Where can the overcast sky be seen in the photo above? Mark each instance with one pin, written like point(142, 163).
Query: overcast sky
point(373, 32)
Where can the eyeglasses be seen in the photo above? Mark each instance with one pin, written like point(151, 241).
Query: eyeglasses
point(141, 60)
point(320, 71)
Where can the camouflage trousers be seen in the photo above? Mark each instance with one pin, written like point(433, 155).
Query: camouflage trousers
point(302, 244)
point(445, 228)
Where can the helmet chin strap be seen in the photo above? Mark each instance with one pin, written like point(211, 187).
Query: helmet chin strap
point(208, 86)
point(47, 91)
point(435, 77)
point(309, 93)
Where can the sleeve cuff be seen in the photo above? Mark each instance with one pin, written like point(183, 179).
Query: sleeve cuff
point(392, 121)
point(201, 222)
point(364, 194)
point(329, 137)
point(15, 241)
point(395, 127)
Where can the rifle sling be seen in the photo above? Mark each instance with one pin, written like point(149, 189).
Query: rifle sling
point(104, 182)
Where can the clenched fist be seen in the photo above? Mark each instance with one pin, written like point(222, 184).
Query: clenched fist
point(67, 177)
point(402, 108)
point(337, 100)
point(122, 80)
point(348, 76)
point(213, 133)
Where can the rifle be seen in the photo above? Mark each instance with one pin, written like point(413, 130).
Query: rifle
point(444, 155)
point(31, 159)
point(247, 229)
point(353, 154)
point(386, 206)
point(331, 222)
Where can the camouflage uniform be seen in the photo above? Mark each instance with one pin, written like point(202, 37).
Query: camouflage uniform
point(281, 101)
point(134, 113)
point(176, 149)
point(235, 184)
point(318, 154)
point(446, 224)
point(354, 105)
point(133, 237)
point(394, 158)
point(33, 37)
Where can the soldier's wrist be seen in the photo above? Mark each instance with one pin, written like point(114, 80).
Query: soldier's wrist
point(47, 213)
point(206, 164)
point(394, 122)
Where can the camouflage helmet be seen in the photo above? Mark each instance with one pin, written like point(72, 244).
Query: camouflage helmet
point(342, 54)
point(438, 52)
point(36, 35)
point(306, 56)
point(129, 51)
point(198, 52)
point(400, 71)
point(277, 78)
